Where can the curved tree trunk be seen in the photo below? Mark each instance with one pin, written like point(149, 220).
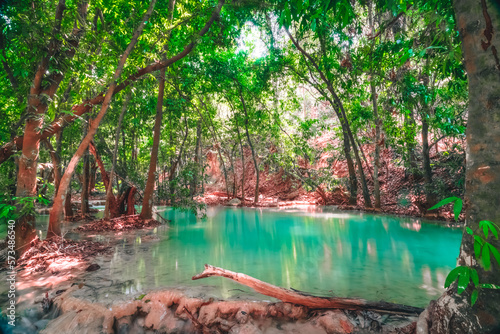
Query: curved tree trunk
point(479, 25)
point(8, 149)
point(147, 203)
point(54, 228)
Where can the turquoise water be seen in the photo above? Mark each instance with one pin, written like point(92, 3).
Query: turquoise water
point(321, 251)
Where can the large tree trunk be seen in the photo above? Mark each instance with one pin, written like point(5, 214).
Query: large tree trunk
point(147, 203)
point(54, 228)
point(109, 190)
point(37, 106)
point(479, 23)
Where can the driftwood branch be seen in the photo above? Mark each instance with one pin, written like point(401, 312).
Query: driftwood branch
point(313, 302)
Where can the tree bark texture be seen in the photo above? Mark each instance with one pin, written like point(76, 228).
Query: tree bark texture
point(54, 228)
point(313, 302)
point(109, 190)
point(147, 203)
point(479, 26)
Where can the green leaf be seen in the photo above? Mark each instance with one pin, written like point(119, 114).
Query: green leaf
point(478, 242)
point(487, 226)
point(453, 275)
point(463, 280)
point(495, 253)
point(473, 297)
point(469, 230)
point(489, 286)
point(485, 256)
point(457, 208)
point(444, 202)
point(474, 276)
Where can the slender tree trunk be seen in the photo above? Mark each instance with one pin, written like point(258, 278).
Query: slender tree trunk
point(429, 194)
point(56, 162)
point(339, 110)
point(84, 208)
point(242, 163)
point(54, 228)
point(68, 209)
point(58, 151)
point(93, 170)
point(256, 166)
point(376, 158)
point(109, 191)
point(197, 159)
point(147, 203)
point(452, 313)
point(353, 180)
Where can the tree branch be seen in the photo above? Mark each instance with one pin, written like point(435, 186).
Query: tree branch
point(78, 110)
point(297, 297)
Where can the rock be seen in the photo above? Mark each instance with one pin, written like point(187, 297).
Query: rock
point(93, 267)
point(234, 202)
point(248, 328)
point(335, 322)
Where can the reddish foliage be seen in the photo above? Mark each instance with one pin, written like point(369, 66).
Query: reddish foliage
point(123, 223)
point(59, 253)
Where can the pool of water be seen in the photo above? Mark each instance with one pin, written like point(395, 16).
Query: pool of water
point(321, 251)
point(316, 249)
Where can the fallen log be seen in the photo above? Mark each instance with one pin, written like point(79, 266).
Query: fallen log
point(310, 301)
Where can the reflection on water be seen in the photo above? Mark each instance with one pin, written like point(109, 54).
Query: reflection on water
point(319, 251)
point(356, 255)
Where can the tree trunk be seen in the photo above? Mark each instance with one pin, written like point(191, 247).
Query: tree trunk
point(452, 313)
point(256, 166)
point(429, 191)
point(313, 302)
point(147, 203)
point(86, 177)
point(353, 180)
point(54, 228)
point(339, 110)
point(55, 163)
point(9, 148)
point(197, 159)
point(242, 163)
point(58, 151)
point(376, 157)
point(68, 209)
point(93, 170)
point(109, 190)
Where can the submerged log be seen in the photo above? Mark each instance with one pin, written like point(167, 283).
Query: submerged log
point(310, 301)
